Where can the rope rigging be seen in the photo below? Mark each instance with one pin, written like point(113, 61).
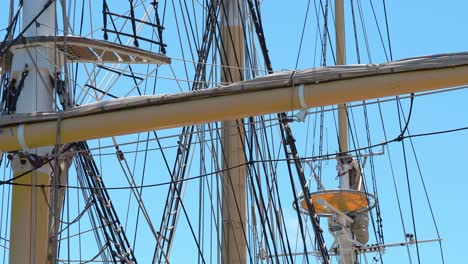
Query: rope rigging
point(376, 220)
point(291, 151)
point(270, 149)
point(113, 231)
point(426, 194)
point(7, 44)
point(318, 157)
point(133, 20)
point(60, 89)
point(269, 192)
point(174, 197)
point(12, 92)
point(11, 26)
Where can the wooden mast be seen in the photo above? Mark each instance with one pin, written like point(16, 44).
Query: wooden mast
point(344, 237)
point(233, 180)
point(29, 226)
point(341, 60)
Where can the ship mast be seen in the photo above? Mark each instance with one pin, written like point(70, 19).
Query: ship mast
point(350, 229)
point(31, 68)
point(233, 180)
point(341, 60)
point(344, 236)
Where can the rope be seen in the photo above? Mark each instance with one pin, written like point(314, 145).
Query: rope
point(132, 15)
point(318, 157)
point(32, 22)
point(407, 176)
point(14, 92)
point(11, 26)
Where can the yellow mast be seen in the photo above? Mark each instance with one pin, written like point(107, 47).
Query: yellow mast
point(233, 180)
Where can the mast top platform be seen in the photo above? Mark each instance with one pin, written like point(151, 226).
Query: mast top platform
point(86, 50)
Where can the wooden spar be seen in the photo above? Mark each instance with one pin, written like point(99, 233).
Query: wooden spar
point(214, 105)
point(234, 242)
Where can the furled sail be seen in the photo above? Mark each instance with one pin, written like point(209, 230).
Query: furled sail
point(282, 91)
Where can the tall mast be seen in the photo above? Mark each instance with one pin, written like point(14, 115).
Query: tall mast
point(233, 180)
point(344, 237)
point(341, 60)
point(31, 68)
